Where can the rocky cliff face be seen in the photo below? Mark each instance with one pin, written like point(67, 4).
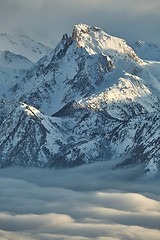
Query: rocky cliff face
point(91, 99)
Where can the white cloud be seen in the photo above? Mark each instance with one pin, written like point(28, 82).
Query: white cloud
point(88, 202)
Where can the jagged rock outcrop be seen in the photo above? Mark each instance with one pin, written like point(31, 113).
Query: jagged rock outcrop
point(91, 99)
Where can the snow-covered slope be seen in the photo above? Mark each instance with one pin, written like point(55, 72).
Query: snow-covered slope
point(69, 75)
point(12, 68)
point(96, 136)
point(23, 45)
point(28, 138)
point(147, 50)
point(95, 40)
point(99, 101)
point(73, 72)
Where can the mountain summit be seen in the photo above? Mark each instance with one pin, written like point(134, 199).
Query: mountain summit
point(90, 99)
point(96, 40)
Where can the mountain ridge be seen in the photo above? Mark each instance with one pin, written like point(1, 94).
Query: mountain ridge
point(97, 97)
point(23, 45)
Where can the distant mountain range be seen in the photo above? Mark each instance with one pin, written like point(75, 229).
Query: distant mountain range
point(22, 44)
point(92, 98)
point(147, 50)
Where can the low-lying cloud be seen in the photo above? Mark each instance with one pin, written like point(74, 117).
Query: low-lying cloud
point(88, 202)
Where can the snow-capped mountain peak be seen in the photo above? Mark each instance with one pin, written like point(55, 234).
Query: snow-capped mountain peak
point(90, 99)
point(96, 40)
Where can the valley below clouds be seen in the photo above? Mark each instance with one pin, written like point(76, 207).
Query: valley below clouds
point(87, 202)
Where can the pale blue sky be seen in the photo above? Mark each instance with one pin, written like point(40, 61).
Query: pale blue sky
point(129, 19)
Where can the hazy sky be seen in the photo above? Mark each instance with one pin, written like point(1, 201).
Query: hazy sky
point(129, 19)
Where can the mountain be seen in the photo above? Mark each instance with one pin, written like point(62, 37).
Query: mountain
point(23, 45)
point(147, 50)
point(18, 53)
point(12, 68)
point(90, 99)
point(26, 128)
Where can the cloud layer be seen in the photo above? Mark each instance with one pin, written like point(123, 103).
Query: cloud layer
point(132, 20)
point(87, 202)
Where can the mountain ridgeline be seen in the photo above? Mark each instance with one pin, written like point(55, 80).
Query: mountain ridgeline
point(90, 99)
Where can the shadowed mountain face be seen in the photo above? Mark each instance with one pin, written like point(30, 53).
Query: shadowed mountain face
point(90, 99)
